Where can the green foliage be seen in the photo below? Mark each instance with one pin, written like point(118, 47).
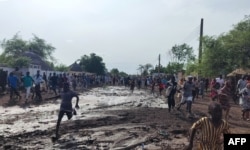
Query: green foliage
point(93, 64)
point(191, 68)
point(174, 67)
point(144, 69)
point(61, 67)
point(227, 52)
point(123, 74)
point(114, 72)
point(41, 48)
point(182, 53)
point(15, 47)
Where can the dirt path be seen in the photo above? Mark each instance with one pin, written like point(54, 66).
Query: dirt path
point(109, 118)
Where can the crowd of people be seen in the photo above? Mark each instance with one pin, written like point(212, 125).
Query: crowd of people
point(185, 90)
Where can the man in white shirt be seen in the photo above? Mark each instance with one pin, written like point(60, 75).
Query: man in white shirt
point(220, 80)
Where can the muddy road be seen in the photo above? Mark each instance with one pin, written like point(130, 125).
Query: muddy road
point(109, 118)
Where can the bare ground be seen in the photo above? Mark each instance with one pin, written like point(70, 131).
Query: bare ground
point(135, 124)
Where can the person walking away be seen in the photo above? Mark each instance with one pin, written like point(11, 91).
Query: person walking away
point(38, 79)
point(212, 129)
point(28, 83)
point(66, 106)
point(245, 96)
point(13, 85)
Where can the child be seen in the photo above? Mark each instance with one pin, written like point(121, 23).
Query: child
point(66, 107)
point(211, 129)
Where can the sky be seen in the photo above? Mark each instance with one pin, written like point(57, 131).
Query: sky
point(125, 33)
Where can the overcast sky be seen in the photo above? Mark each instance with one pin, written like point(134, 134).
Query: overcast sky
point(125, 33)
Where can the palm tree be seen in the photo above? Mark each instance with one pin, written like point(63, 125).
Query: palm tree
point(141, 68)
point(144, 69)
point(147, 67)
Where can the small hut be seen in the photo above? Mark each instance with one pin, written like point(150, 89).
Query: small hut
point(75, 68)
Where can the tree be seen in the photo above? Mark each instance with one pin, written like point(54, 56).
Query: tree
point(61, 67)
point(228, 51)
point(41, 48)
point(182, 53)
point(140, 68)
point(114, 72)
point(93, 64)
point(174, 67)
point(123, 74)
point(144, 69)
point(15, 47)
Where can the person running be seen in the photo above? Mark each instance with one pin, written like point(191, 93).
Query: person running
point(212, 129)
point(221, 81)
point(74, 82)
point(153, 83)
point(66, 106)
point(54, 82)
point(195, 91)
point(38, 79)
point(187, 94)
point(180, 88)
point(214, 87)
point(223, 98)
point(13, 84)
point(161, 86)
point(28, 82)
point(45, 79)
point(132, 85)
point(17, 73)
point(171, 101)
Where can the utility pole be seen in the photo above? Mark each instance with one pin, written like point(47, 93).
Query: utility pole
point(159, 64)
point(200, 44)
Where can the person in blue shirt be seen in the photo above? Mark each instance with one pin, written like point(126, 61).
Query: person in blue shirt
point(28, 82)
point(13, 84)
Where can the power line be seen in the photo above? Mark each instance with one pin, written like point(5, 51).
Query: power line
point(192, 35)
